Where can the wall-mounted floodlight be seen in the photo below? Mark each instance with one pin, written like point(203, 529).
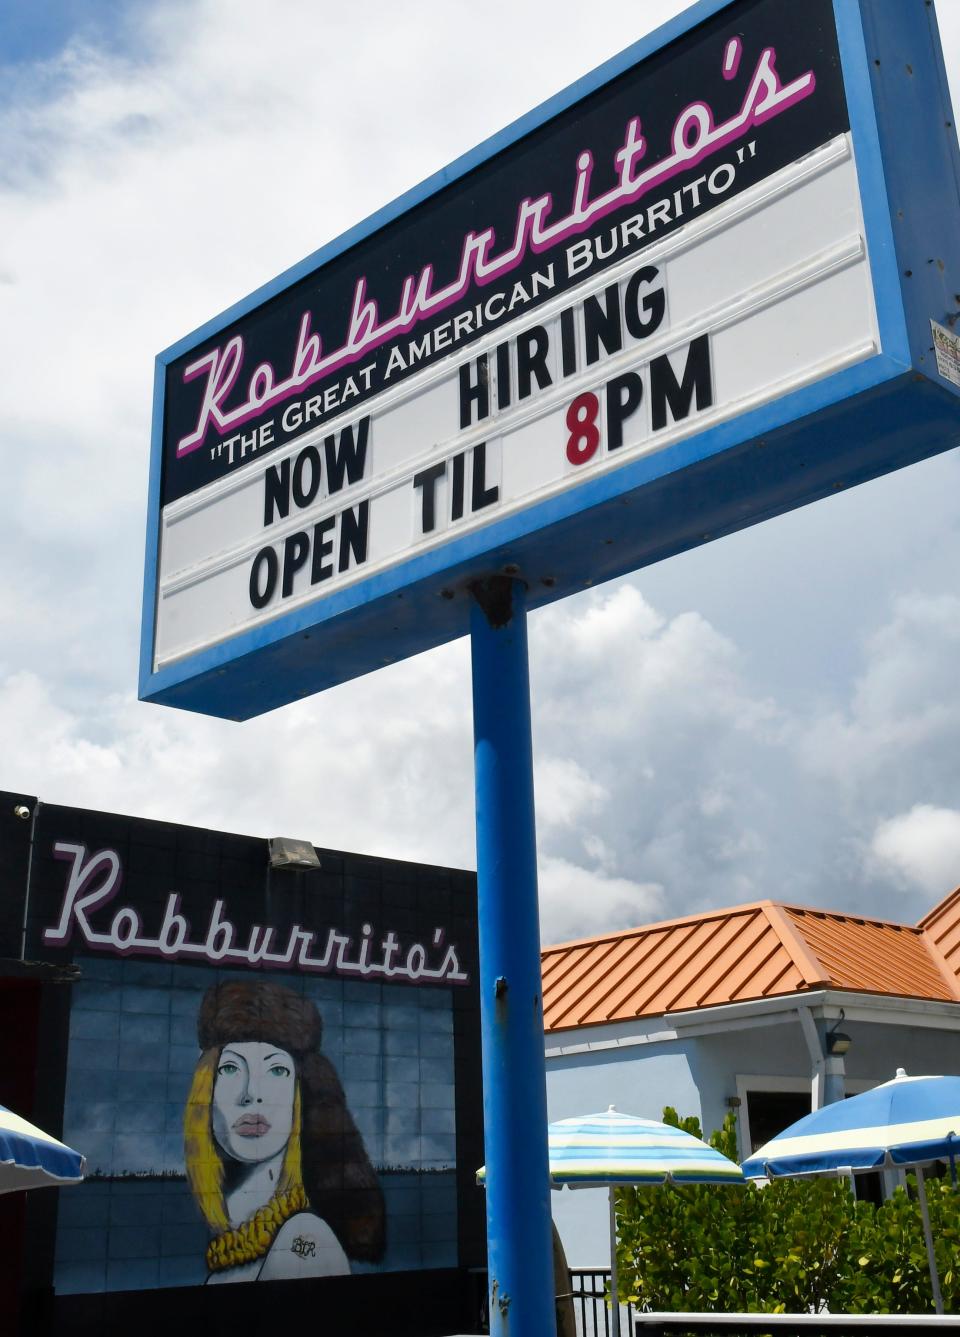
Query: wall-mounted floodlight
point(286, 853)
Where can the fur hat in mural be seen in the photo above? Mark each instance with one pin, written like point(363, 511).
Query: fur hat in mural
point(340, 1182)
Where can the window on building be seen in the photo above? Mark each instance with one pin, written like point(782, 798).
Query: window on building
point(770, 1112)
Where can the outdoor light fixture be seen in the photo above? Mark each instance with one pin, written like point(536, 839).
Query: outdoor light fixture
point(837, 1041)
point(285, 853)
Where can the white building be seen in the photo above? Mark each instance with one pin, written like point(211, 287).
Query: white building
point(734, 1009)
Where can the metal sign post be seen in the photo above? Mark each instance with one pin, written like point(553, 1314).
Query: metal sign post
point(519, 1246)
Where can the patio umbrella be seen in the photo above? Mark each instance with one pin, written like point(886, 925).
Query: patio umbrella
point(906, 1122)
point(30, 1158)
point(611, 1149)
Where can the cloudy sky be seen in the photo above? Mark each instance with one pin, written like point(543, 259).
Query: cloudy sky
point(776, 714)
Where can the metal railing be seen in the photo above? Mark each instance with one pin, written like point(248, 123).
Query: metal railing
point(589, 1288)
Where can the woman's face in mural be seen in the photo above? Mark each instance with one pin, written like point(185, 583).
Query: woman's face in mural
point(253, 1095)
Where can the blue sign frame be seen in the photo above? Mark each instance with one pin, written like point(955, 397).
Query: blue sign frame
point(883, 413)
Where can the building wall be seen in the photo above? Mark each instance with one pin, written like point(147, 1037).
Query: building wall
point(878, 1050)
point(19, 1024)
point(366, 970)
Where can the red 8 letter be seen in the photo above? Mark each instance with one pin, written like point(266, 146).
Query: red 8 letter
point(584, 435)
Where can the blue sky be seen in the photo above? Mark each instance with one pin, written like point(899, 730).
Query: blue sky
point(38, 30)
point(782, 717)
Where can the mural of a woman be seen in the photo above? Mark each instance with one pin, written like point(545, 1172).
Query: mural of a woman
point(274, 1159)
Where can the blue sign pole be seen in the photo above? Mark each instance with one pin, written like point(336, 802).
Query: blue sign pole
point(511, 1006)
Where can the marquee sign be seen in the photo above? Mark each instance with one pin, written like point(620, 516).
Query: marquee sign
point(712, 281)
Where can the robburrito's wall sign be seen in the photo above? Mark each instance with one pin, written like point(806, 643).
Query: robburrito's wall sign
point(702, 286)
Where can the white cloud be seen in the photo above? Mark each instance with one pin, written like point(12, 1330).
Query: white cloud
point(660, 715)
point(578, 903)
point(904, 699)
point(565, 793)
point(400, 787)
point(923, 847)
point(895, 741)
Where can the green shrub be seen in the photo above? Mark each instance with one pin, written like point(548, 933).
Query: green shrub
point(890, 1272)
point(794, 1246)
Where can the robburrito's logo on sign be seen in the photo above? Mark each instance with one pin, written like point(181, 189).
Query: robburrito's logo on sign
point(695, 137)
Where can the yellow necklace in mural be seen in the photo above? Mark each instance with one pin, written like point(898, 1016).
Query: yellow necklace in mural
point(253, 1239)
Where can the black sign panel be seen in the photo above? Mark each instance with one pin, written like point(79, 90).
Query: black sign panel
point(746, 93)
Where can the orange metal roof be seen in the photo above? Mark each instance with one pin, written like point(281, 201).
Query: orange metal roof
point(748, 952)
point(941, 928)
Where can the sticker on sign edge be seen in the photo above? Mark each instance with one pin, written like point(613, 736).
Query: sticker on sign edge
point(947, 347)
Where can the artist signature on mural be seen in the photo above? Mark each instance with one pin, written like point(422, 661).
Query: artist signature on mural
point(95, 879)
point(304, 1247)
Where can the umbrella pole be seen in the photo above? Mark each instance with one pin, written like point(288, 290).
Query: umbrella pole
point(614, 1288)
point(928, 1237)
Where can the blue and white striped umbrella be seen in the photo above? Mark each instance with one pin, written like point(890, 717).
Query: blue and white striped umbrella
point(30, 1158)
point(615, 1148)
point(906, 1121)
point(604, 1150)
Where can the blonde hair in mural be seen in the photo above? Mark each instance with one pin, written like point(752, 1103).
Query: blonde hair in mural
point(202, 1156)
